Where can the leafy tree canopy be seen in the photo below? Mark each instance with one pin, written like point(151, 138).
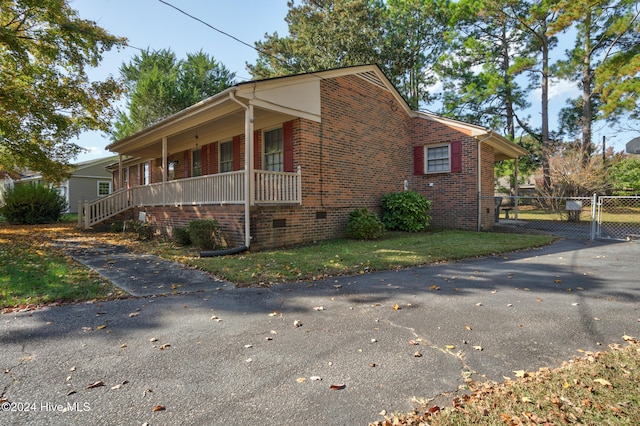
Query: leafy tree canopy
point(404, 37)
point(624, 175)
point(158, 85)
point(323, 34)
point(46, 97)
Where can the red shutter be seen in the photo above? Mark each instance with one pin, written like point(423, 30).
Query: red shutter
point(456, 157)
point(187, 164)
point(418, 160)
point(287, 145)
point(237, 165)
point(213, 158)
point(205, 160)
point(256, 149)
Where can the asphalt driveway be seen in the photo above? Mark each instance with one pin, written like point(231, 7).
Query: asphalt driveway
point(203, 352)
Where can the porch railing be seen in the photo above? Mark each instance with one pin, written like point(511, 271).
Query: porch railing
point(224, 188)
point(278, 187)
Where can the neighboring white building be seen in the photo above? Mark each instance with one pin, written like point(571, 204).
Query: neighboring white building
point(89, 181)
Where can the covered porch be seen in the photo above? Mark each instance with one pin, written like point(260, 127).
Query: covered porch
point(270, 188)
point(235, 148)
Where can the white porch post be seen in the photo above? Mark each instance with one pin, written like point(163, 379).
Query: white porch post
point(250, 159)
point(248, 172)
point(120, 174)
point(516, 188)
point(164, 169)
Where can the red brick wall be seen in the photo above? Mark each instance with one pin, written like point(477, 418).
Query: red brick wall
point(453, 196)
point(362, 149)
point(230, 218)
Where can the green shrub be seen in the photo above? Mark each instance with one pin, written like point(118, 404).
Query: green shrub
point(405, 211)
point(205, 234)
point(181, 236)
point(28, 204)
point(364, 225)
point(143, 230)
point(117, 226)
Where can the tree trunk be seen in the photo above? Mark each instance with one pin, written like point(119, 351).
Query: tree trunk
point(544, 133)
point(585, 146)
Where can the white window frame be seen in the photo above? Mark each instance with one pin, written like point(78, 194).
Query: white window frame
point(146, 173)
point(193, 163)
point(428, 148)
point(109, 187)
point(225, 166)
point(125, 177)
point(265, 163)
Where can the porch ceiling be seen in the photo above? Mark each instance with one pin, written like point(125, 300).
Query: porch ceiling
point(202, 128)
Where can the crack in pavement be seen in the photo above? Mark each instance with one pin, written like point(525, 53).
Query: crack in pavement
point(10, 372)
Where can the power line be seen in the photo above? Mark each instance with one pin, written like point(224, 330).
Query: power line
point(211, 26)
point(281, 61)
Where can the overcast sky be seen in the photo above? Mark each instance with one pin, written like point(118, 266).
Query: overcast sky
point(155, 25)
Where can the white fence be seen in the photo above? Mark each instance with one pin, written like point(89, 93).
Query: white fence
point(224, 188)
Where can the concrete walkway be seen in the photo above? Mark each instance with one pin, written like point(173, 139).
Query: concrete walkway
point(219, 355)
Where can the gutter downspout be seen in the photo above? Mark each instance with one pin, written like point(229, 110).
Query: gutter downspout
point(480, 180)
point(248, 165)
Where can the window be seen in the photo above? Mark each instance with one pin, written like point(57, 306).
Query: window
point(442, 158)
point(273, 150)
point(104, 188)
point(146, 174)
point(125, 177)
point(226, 157)
point(196, 163)
point(437, 159)
point(171, 170)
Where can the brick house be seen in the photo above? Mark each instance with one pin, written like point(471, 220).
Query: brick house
point(283, 161)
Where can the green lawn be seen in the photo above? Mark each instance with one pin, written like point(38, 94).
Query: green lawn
point(33, 272)
point(350, 257)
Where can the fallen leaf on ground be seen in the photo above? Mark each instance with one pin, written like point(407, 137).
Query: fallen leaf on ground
point(450, 346)
point(318, 308)
point(100, 327)
point(520, 373)
point(119, 385)
point(315, 378)
point(301, 380)
point(273, 314)
point(297, 323)
point(467, 327)
point(417, 354)
point(604, 382)
point(396, 307)
point(164, 346)
point(134, 314)
point(153, 339)
point(95, 385)
point(338, 387)
point(159, 408)
point(478, 348)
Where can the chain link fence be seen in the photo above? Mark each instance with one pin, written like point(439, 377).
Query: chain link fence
point(568, 217)
point(618, 218)
point(602, 217)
